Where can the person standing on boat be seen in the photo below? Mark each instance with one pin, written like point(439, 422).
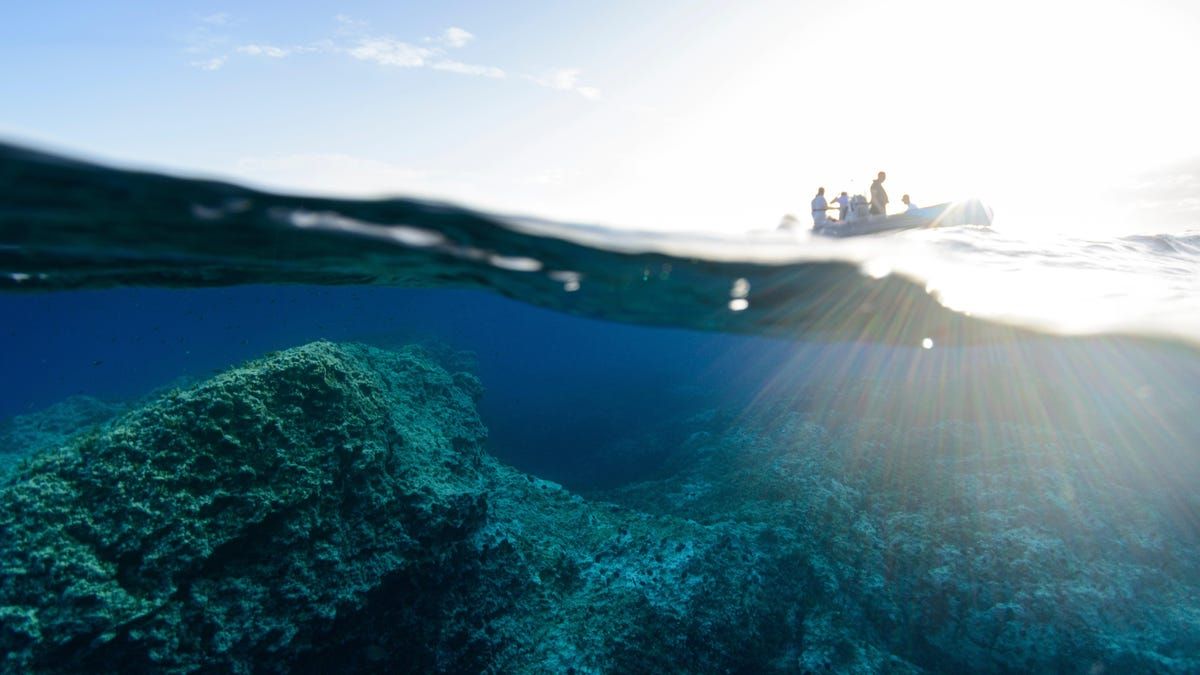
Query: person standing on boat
point(843, 206)
point(909, 205)
point(879, 198)
point(819, 208)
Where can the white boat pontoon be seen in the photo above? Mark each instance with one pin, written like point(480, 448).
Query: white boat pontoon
point(968, 212)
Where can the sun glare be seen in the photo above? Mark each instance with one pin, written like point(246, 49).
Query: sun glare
point(1044, 110)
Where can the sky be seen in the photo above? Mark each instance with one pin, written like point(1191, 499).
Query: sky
point(1063, 115)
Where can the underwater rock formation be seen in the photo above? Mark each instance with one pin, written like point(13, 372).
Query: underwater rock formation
point(22, 435)
point(962, 549)
point(332, 507)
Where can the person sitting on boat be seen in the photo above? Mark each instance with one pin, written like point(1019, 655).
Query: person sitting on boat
point(843, 205)
point(909, 205)
point(879, 198)
point(819, 209)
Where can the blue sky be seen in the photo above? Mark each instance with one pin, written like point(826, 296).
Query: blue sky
point(676, 115)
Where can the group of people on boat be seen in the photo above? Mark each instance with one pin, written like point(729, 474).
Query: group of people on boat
point(856, 207)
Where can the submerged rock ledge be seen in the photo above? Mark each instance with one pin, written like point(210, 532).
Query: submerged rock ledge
point(332, 508)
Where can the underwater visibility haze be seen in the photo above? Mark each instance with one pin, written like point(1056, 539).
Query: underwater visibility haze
point(254, 432)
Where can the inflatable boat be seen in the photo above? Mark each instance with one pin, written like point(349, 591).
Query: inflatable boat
point(967, 212)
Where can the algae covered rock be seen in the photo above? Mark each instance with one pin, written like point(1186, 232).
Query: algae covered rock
point(957, 548)
point(23, 435)
point(331, 508)
point(235, 522)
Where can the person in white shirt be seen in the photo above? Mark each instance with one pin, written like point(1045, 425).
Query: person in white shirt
point(819, 208)
point(843, 205)
point(908, 203)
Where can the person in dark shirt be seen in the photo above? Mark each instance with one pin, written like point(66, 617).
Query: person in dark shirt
point(879, 198)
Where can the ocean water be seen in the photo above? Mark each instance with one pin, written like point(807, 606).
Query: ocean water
point(254, 432)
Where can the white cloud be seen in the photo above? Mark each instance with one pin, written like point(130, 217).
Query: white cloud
point(455, 37)
point(389, 52)
point(353, 39)
point(217, 19)
point(265, 50)
point(214, 63)
point(565, 79)
point(468, 69)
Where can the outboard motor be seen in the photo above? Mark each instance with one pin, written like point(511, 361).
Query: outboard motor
point(860, 208)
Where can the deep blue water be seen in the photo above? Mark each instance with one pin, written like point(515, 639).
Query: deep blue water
point(563, 389)
point(554, 383)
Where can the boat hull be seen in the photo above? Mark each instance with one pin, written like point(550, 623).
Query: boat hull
point(967, 212)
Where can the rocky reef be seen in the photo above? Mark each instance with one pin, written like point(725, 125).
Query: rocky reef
point(333, 508)
point(1006, 549)
point(22, 435)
